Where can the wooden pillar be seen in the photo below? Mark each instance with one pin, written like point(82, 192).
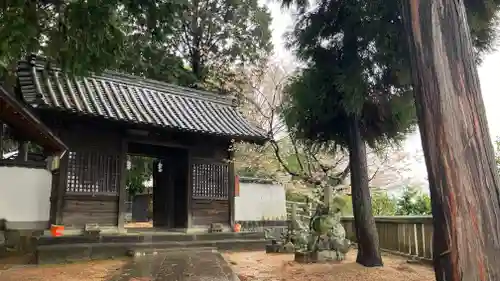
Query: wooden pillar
point(54, 196)
point(22, 154)
point(189, 192)
point(122, 188)
point(61, 188)
point(327, 196)
point(1, 139)
point(293, 216)
point(232, 177)
point(61, 177)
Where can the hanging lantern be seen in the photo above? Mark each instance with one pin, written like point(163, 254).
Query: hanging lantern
point(160, 167)
point(129, 163)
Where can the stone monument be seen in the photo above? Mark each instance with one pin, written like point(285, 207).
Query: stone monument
point(326, 236)
point(323, 240)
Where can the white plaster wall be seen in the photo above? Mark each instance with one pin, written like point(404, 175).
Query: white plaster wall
point(24, 194)
point(258, 201)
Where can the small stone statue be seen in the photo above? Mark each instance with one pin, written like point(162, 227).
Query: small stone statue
point(328, 232)
point(326, 236)
point(267, 234)
point(295, 238)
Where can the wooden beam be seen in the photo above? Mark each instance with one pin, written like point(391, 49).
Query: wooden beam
point(27, 124)
point(150, 141)
point(122, 188)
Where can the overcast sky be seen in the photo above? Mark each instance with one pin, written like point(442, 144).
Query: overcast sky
point(488, 75)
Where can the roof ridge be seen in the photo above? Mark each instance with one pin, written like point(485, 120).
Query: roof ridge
point(151, 83)
point(121, 77)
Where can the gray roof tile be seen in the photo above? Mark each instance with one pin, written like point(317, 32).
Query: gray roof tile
point(134, 100)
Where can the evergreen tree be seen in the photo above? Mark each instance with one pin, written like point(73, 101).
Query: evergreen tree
point(383, 204)
point(195, 42)
point(139, 171)
point(77, 35)
point(219, 39)
point(355, 90)
point(413, 202)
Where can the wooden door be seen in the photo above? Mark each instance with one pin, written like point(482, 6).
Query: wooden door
point(179, 171)
point(162, 195)
point(170, 193)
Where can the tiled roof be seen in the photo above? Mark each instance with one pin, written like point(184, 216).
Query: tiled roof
point(133, 100)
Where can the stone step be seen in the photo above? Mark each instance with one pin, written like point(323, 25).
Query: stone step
point(146, 237)
point(141, 252)
point(63, 253)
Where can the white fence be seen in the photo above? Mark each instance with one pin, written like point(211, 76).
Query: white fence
point(25, 202)
point(260, 200)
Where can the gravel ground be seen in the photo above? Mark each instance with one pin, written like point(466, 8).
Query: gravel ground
point(259, 266)
point(250, 266)
point(81, 271)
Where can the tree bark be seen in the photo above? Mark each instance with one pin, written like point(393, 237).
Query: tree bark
point(364, 222)
point(459, 155)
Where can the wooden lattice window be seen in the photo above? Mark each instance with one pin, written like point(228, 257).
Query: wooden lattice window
point(93, 172)
point(210, 180)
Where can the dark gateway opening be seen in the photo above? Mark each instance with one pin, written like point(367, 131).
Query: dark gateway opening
point(169, 187)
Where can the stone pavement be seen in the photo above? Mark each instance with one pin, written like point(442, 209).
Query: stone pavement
point(187, 265)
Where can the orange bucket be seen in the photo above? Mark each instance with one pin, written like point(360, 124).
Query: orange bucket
point(56, 230)
point(237, 227)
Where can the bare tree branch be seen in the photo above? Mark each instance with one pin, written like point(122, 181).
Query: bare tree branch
point(311, 163)
point(264, 99)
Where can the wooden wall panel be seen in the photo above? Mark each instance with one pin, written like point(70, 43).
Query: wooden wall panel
point(205, 212)
point(80, 210)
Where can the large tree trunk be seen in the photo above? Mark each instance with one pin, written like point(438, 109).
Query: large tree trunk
point(364, 222)
point(458, 151)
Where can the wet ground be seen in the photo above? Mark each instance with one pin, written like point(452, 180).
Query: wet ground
point(208, 265)
point(189, 265)
point(204, 265)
